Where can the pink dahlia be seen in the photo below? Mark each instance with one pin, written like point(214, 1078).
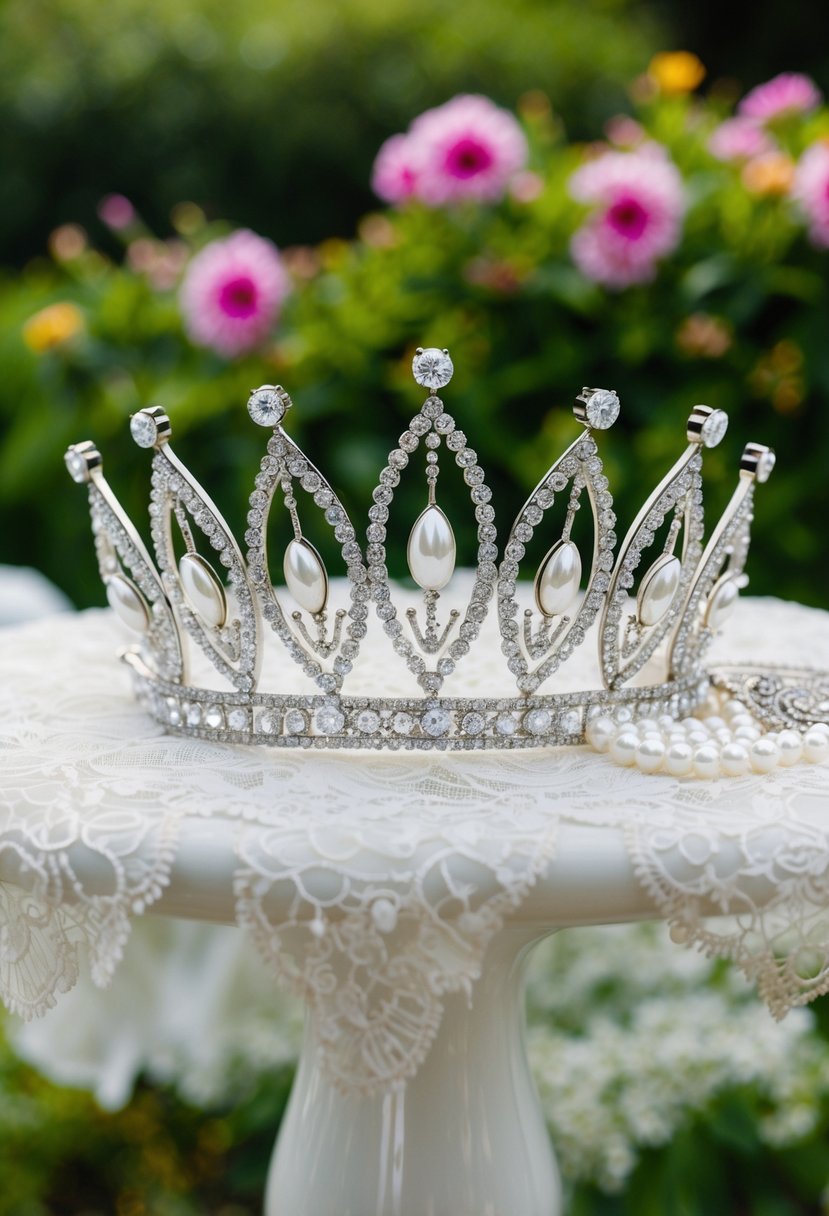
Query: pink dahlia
point(739, 139)
point(468, 148)
point(394, 176)
point(232, 292)
point(638, 201)
point(788, 93)
point(811, 190)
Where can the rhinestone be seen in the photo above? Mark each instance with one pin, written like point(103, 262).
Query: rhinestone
point(714, 428)
point(538, 721)
point(436, 722)
point(367, 721)
point(329, 720)
point(505, 724)
point(237, 719)
point(267, 405)
point(268, 722)
point(194, 715)
point(402, 723)
point(173, 712)
point(295, 722)
point(143, 429)
point(432, 368)
point(473, 723)
point(765, 465)
point(76, 464)
point(602, 409)
point(214, 717)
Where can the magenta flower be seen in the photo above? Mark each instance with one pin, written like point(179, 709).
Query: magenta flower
point(638, 202)
point(811, 190)
point(116, 211)
point(468, 148)
point(788, 93)
point(232, 292)
point(394, 175)
point(739, 139)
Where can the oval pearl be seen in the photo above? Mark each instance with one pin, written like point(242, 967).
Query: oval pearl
point(721, 602)
point(816, 746)
point(205, 594)
point(305, 576)
point(707, 761)
point(764, 755)
point(734, 760)
point(623, 748)
point(128, 603)
point(791, 747)
point(431, 551)
point(601, 731)
point(558, 579)
point(650, 754)
point(658, 588)
point(679, 759)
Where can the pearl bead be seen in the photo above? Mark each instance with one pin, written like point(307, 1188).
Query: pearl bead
point(724, 736)
point(816, 746)
point(733, 707)
point(623, 748)
point(715, 723)
point(821, 727)
point(666, 722)
point(764, 754)
point(707, 761)
point(697, 737)
point(741, 719)
point(650, 754)
point(791, 747)
point(623, 714)
point(734, 760)
point(749, 734)
point(679, 759)
point(601, 731)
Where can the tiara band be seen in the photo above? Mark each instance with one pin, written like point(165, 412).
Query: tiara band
point(654, 617)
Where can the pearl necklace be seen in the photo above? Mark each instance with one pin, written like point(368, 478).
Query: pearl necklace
point(725, 740)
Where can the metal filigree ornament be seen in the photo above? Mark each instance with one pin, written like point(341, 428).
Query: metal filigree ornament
point(201, 591)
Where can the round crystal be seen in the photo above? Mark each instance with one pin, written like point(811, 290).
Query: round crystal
point(268, 722)
point(214, 717)
point(329, 720)
point(436, 722)
point(194, 715)
point(237, 719)
point(367, 721)
point(505, 724)
point(143, 429)
point(295, 723)
point(432, 367)
point(402, 723)
point(267, 405)
point(473, 723)
point(538, 721)
point(602, 408)
point(714, 428)
point(76, 464)
point(765, 465)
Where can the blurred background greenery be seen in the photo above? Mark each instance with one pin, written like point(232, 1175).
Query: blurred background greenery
point(268, 114)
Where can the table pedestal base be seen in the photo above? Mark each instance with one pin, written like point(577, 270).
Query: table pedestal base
point(465, 1137)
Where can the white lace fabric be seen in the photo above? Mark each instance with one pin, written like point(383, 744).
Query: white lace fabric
point(373, 883)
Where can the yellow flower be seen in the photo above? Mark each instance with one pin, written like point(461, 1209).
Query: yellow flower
point(676, 72)
point(769, 173)
point(52, 327)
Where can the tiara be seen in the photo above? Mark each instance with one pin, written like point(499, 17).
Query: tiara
point(654, 603)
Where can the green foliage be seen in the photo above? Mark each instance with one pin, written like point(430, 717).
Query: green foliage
point(256, 108)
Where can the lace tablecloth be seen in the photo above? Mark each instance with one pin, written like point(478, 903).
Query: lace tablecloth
point(372, 883)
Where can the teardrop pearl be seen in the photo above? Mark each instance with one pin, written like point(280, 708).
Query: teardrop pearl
point(128, 603)
point(558, 579)
point(431, 552)
point(305, 576)
point(205, 594)
point(721, 602)
point(658, 589)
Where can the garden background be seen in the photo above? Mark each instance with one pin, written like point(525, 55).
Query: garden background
point(136, 138)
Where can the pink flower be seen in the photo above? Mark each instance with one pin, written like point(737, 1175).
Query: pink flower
point(116, 211)
point(232, 292)
point(638, 201)
point(739, 139)
point(468, 148)
point(624, 131)
point(811, 190)
point(788, 93)
point(394, 175)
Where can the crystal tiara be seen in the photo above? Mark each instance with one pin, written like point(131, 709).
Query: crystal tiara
point(653, 627)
